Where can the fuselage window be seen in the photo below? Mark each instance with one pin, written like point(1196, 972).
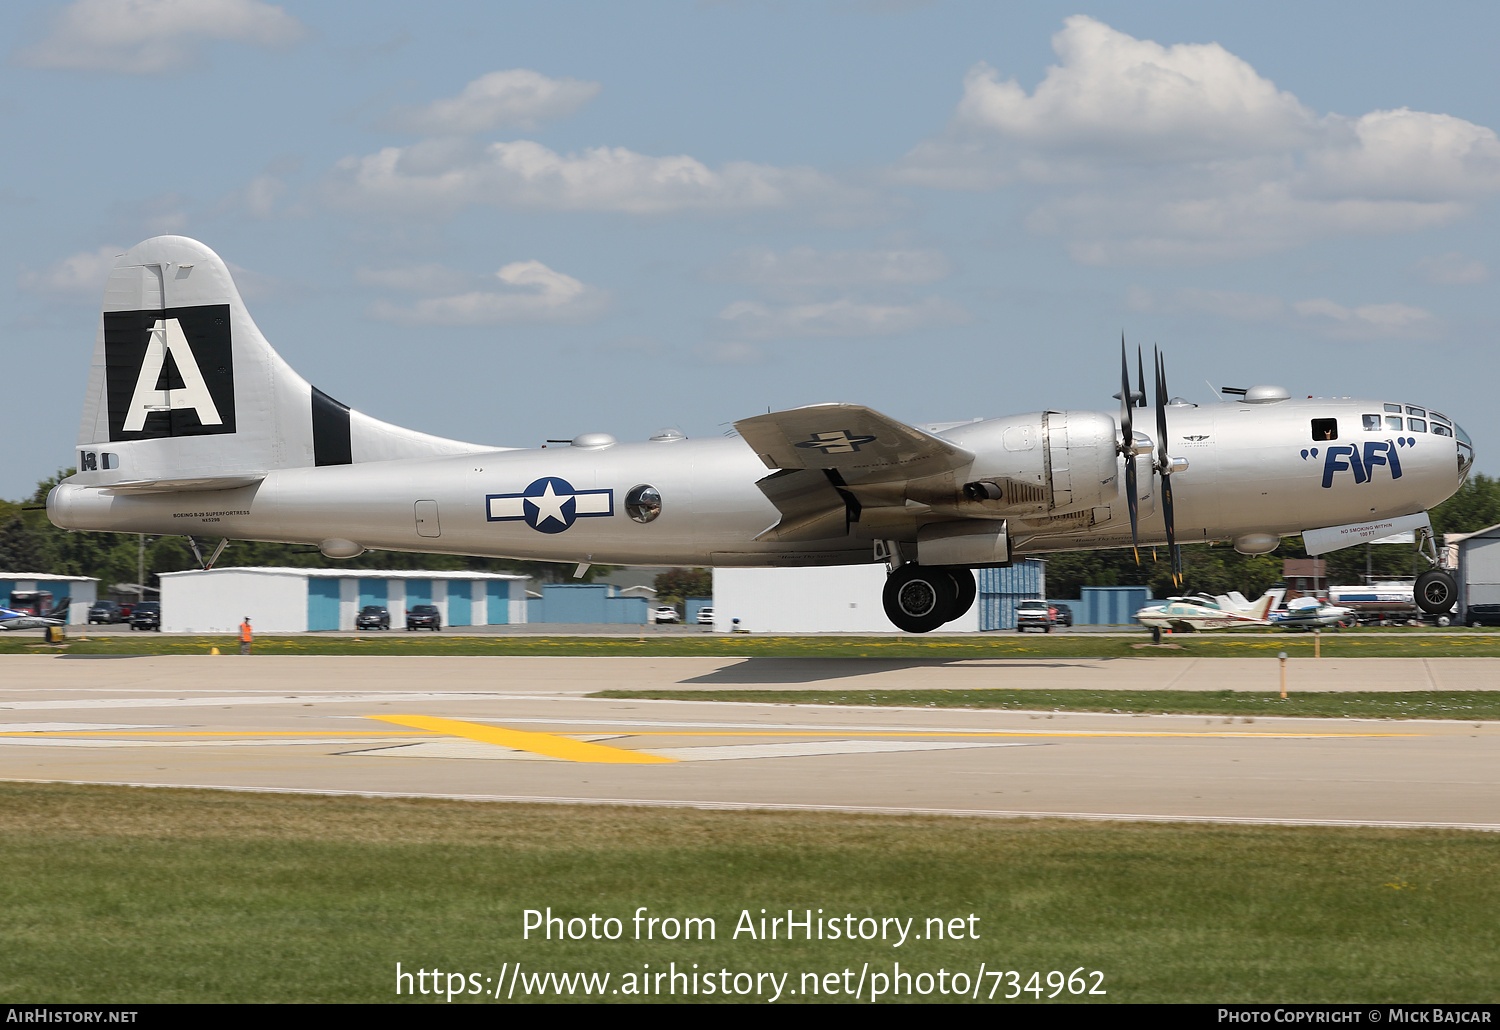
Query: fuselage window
point(1393, 407)
point(1372, 423)
point(1325, 429)
point(1417, 425)
point(643, 503)
point(1393, 422)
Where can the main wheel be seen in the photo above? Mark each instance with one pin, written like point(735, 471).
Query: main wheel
point(966, 589)
point(1435, 592)
point(918, 599)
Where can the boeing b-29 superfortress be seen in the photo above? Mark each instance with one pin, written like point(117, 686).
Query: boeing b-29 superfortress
point(193, 425)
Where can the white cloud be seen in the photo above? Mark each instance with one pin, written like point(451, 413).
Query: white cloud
point(79, 276)
point(1452, 269)
point(429, 278)
point(147, 37)
point(1322, 316)
point(1242, 307)
point(805, 267)
point(1143, 152)
point(518, 97)
point(842, 317)
point(442, 176)
point(1370, 321)
point(534, 293)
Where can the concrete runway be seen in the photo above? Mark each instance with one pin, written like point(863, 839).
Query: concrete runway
point(517, 728)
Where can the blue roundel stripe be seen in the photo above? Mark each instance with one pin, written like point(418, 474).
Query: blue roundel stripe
point(549, 505)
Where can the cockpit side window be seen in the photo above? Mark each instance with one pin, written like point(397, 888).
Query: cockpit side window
point(1325, 429)
point(1372, 423)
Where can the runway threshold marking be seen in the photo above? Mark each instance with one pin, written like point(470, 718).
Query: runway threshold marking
point(527, 740)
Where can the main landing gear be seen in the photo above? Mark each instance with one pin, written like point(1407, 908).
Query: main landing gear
point(920, 598)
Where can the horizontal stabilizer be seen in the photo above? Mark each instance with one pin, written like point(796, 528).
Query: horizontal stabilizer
point(851, 438)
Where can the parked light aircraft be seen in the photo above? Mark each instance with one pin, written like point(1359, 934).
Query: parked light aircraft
point(11, 619)
point(1310, 613)
point(1201, 612)
point(193, 425)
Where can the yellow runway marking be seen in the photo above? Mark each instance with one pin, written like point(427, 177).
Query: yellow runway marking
point(527, 740)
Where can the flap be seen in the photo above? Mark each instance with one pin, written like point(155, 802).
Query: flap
point(851, 438)
point(164, 486)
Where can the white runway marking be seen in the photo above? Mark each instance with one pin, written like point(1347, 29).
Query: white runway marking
point(63, 727)
point(704, 753)
point(238, 700)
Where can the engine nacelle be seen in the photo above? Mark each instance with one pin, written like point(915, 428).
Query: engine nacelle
point(1081, 459)
point(1048, 463)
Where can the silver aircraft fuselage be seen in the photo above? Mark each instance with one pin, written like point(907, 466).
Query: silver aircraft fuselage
point(1252, 471)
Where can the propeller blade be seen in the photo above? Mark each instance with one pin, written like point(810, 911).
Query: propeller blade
point(1127, 450)
point(1164, 466)
point(1140, 377)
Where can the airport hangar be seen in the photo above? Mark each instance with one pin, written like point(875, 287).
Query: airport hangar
point(289, 600)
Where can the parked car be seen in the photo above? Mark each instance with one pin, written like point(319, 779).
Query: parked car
point(373, 616)
point(105, 612)
point(666, 613)
point(146, 615)
point(705, 616)
point(1483, 615)
point(126, 607)
point(424, 616)
point(1064, 615)
point(1035, 613)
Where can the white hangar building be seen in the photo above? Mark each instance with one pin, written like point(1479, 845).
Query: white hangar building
point(297, 600)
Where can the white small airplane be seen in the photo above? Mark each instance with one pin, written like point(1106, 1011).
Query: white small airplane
point(1201, 612)
point(1310, 613)
point(193, 424)
point(11, 619)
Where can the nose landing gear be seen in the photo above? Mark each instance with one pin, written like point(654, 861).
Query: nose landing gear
point(1436, 591)
point(920, 598)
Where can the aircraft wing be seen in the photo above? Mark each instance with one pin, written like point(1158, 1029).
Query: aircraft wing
point(851, 438)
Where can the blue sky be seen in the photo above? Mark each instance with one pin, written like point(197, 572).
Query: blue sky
point(505, 223)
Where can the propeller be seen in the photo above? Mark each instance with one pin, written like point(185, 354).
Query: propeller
point(1127, 447)
point(1164, 467)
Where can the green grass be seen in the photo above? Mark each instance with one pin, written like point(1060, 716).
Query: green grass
point(137, 895)
point(1417, 644)
point(1415, 704)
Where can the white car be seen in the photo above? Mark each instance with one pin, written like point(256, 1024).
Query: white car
point(705, 616)
point(666, 613)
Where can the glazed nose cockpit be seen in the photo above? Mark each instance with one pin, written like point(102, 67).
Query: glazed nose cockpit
point(1410, 418)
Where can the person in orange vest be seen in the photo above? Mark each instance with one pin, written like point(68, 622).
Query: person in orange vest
point(245, 636)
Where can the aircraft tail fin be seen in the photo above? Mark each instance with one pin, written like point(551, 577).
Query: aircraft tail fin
point(184, 392)
point(1262, 608)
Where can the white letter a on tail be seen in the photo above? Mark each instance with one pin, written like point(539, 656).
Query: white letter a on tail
point(167, 338)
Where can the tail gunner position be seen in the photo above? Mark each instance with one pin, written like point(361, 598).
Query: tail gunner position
point(193, 425)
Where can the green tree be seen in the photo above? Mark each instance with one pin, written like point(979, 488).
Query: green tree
point(674, 585)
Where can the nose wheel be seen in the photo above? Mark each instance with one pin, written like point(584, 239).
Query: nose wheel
point(920, 598)
point(1436, 591)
